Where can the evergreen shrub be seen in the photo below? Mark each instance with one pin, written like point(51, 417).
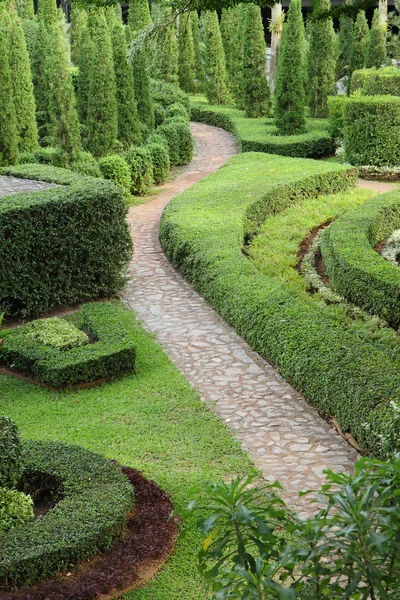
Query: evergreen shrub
point(336, 106)
point(177, 110)
point(160, 159)
point(141, 169)
point(166, 94)
point(256, 88)
point(16, 508)
point(115, 168)
point(11, 455)
point(376, 82)
point(159, 114)
point(180, 141)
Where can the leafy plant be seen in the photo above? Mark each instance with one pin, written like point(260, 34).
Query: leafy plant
point(10, 453)
point(16, 508)
point(56, 333)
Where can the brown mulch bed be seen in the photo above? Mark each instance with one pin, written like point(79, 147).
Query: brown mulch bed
point(131, 562)
point(306, 243)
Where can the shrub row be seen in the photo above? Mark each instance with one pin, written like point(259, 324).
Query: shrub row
point(94, 500)
point(355, 269)
point(63, 245)
point(376, 82)
point(111, 353)
point(260, 135)
point(344, 376)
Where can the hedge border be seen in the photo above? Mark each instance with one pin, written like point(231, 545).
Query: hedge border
point(112, 354)
point(354, 268)
point(346, 376)
point(376, 82)
point(95, 501)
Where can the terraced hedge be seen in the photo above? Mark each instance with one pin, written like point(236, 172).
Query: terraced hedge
point(202, 230)
point(355, 269)
point(260, 135)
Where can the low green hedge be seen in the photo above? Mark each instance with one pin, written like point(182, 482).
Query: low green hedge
point(336, 106)
point(63, 245)
point(355, 269)
point(372, 130)
point(111, 353)
point(94, 501)
point(202, 233)
point(376, 82)
point(168, 94)
point(179, 140)
point(260, 135)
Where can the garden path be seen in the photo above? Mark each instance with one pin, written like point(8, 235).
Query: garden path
point(282, 433)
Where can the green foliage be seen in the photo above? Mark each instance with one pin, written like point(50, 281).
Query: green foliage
point(180, 141)
point(44, 156)
point(348, 549)
point(102, 110)
point(91, 514)
point(359, 44)
point(216, 76)
point(321, 62)
point(372, 129)
point(255, 135)
point(355, 269)
point(393, 37)
point(336, 106)
point(345, 38)
point(160, 160)
point(84, 60)
point(8, 122)
point(55, 358)
point(11, 455)
point(186, 64)
point(69, 244)
point(167, 49)
point(197, 49)
point(256, 88)
point(177, 110)
point(141, 168)
point(30, 32)
point(376, 49)
point(229, 27)
point(56, 333)
point(138, 15)
point(28, 10)
point(16, 508)
point(159, 114)
point(238, 54)
point(290, 98)
point(376, 82)
point(85, 164)
point(78, 23)
point(115, 168)
point(166, 94)
point(40, 77)
point(128, 118)
point(47, 12)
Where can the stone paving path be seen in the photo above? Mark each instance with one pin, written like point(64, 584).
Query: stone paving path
point(284, 436)
point(13, 185)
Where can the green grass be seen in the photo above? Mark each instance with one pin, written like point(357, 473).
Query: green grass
point(153, 421)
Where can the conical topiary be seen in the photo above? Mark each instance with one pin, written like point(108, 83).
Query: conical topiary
point(345, 38)
point(216, 76)
point(41, 86)
point(228, 26)
point(27, 10)
point(84, 60)
point(238, 55)
point(256, 89)
point(8, 122)
point(47, 11)
point(166, 66)
point(186, 55)
point(376, 49)
point(198, 60)
point(359, 44)
point(77, 27)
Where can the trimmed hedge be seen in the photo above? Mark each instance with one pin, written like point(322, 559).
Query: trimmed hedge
point(336, 106)
point(140, 164)
point(160, 159)
point(342, 374)
point(115, 168)
point(111, 353)
point(94, 501)
point(167, 94)
point(354, 268)
point(180, 141)
point(260, 135)
point(372, 130)
point(63, 245)
point(376, 82)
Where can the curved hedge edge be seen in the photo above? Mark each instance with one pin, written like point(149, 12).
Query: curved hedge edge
point(355, 269)
point(46, 173)
point(343, 374)
point(96, 499)
point(313, 145)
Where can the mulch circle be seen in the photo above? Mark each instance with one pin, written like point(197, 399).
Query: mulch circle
point(146, 544)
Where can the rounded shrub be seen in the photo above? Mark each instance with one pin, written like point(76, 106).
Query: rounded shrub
point(115, 168)
point(159, 113)
point(16, 508)
point(85, 164)
point(156, 138)
point(180, 141)
point(141, 169)
point(177, 109)
point(11, 455)
point(160, 158)
point(166, 94)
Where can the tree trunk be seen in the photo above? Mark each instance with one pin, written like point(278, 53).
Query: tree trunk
point(383, 9)
point(276, 33)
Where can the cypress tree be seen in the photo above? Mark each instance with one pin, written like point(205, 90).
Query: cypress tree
point(128, 119)
point(216, 77)
point(290, 89)
point(62, 108)
point(77, 27)
point(8, 121)
point(167, 50)
point(102, 113)
point(344, 46)
point(84, 58)
point(23, 96)
point(27, 10)
point(138, 15)
point(376, 48)
point(359, 44)
point(256, 89)
point(198, 61)
point(238, 56)
point(40, 77)
point(47, 11)
point(229, 26)
point(186, 55)
point(321, 62)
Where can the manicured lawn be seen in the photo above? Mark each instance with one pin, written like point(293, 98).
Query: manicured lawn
point(153, 421)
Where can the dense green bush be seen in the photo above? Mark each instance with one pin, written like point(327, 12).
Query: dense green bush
point(166, 94)
point(16, 508)
point(141, 169)
point(256, 91)
point(336, 106)
point(56, 333)
point(11, 459)
point(359, 42)
point(94, 500)
point(372, 130)
point(63, 245)
point(160, 159)
point(353, 266)
point(180, 141)
point(45, 156)
point(30, 32)
point(111, 353)
point(376, 48)
point(216, 83)
point(376, 82)
point(159, 114)
point(85, 167)
point(115, 168)
point(177, 109)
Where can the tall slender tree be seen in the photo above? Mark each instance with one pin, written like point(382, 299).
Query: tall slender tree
point(77, 27)
point(237, 56)
point(27, 10)
point(256, 89)
point(47, 11)
point(290, 97)
point(359, 43)
point(84, 57)
point(8, 121)
point(186, 63)
point(166, 67)
point(198, 60)
point(321, 61)
point(376, 49)
point(102, 112)
point(345, 37)
point(40, 76)
point(216, 76)
point(228, 25)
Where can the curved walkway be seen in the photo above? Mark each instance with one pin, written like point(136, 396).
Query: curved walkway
point(285, 437)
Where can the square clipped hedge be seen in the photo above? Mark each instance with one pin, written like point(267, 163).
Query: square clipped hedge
point(376, 82)
point(111, 353)
point(372, 130)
